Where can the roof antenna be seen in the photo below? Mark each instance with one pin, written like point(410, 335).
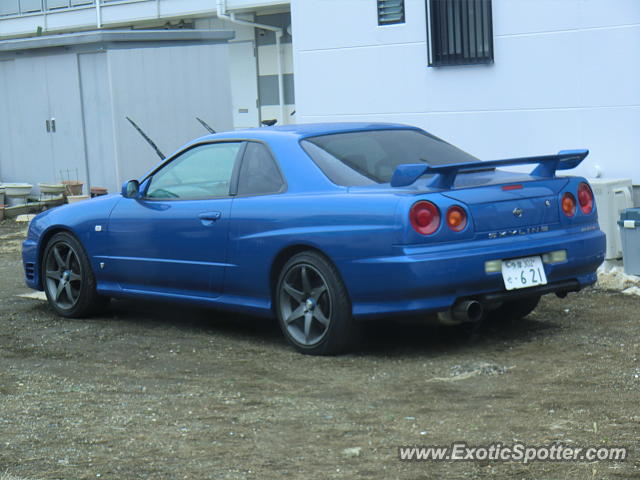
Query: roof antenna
point(204, 124)
point(144, 135)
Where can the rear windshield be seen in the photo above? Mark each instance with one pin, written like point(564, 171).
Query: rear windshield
point(370, 157)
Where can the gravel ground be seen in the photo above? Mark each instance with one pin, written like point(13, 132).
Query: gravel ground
point(157, 391)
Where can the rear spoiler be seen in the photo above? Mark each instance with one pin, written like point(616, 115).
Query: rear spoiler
point(445, 175)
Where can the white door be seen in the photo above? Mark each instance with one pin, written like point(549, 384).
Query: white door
point(244, 84)
point(65, 109)
point(47, 138)
point(8, 127)
point(32, 158)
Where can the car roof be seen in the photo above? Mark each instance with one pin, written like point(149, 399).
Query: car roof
point(308, 130)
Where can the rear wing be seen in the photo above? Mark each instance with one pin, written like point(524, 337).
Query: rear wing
point(445, 175)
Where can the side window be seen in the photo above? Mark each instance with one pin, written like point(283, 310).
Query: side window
point(202, 172)
point(259, 174)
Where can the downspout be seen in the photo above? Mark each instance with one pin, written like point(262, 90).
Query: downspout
point(44, 15)
point(98, 14)
point(221, 11)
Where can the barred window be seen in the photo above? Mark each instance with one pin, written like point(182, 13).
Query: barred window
point(461, 32)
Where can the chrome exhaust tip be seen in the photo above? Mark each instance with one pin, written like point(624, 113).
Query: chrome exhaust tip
point(464, 311)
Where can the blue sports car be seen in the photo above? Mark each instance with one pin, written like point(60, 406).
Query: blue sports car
point(325, 225)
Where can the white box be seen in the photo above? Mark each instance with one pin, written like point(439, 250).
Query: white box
point(613, 195)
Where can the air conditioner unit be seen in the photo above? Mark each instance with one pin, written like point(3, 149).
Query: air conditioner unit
point(612, 196)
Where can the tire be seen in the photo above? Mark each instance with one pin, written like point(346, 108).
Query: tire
point(313, 306)
point(68, 279)
point(513, 310)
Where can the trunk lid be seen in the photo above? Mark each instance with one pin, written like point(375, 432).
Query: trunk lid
point(494, 208)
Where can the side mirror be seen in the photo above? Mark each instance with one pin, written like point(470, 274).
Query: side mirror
point(131, 189)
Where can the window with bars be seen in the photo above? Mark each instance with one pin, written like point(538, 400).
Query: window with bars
point(390, 12)
point(461, 32)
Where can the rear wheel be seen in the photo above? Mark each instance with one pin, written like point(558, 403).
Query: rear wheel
point(513, 310)
point(68, 279)
point(313, 306)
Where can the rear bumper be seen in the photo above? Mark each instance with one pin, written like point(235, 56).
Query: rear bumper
point(432, 278)
point(556, 287)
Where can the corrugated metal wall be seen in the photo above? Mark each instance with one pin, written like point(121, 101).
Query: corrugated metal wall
point(89, 94)
point(163, 90)
point(97, 119)
point(8, 103)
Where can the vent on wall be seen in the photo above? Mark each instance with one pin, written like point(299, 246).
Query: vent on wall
point(461, 32)
point(390, 12)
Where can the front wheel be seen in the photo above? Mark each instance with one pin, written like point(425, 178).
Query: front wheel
point(68, 279)
point(313, 306)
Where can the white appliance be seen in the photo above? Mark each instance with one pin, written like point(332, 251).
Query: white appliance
point(612, 196)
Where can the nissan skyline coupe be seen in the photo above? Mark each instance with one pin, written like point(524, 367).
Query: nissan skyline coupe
point(323, 226)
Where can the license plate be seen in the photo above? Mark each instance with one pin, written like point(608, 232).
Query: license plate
point(523, 273)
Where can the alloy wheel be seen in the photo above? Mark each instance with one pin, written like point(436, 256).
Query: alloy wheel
point(305, 304)
point(63, 275)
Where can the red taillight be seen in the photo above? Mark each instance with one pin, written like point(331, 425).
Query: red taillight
point(512, 187)
point(569, 204)
point(456, 218)
point(424, 217)
point(585, 198)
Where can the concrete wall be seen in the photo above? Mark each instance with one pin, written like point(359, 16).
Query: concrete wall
point(566, 75)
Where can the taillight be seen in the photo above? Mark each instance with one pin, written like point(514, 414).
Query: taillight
point(569, 204)
point(512, 187)
point(424, 217)
point(456, 218)
point(585, 198)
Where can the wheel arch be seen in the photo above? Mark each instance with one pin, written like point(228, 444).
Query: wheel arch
point(44, 241)
point(283, 257)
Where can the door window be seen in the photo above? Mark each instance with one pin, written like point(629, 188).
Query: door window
point(202, 172)
point(259, 174)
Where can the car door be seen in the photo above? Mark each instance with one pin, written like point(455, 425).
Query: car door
point(173, 238)
point(258, 211)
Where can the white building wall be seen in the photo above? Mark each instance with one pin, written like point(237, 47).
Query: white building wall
point(566, 75)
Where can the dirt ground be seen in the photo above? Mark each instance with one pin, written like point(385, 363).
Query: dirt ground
point(168, 392)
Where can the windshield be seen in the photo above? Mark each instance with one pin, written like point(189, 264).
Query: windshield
point(370, 157)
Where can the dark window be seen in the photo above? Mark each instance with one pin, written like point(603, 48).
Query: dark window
point(201, 172)
point(390, 12)
point(259, 174)
point(371, 157)
point(461, 32)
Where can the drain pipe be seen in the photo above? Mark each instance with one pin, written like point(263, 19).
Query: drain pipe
point(98, 14)
point(221, 11)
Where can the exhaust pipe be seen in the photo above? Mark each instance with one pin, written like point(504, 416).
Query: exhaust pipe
point(464, 311)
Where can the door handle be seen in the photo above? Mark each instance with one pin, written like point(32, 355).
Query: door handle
point(209, 217)
point(53, 125)
point(47, 124)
